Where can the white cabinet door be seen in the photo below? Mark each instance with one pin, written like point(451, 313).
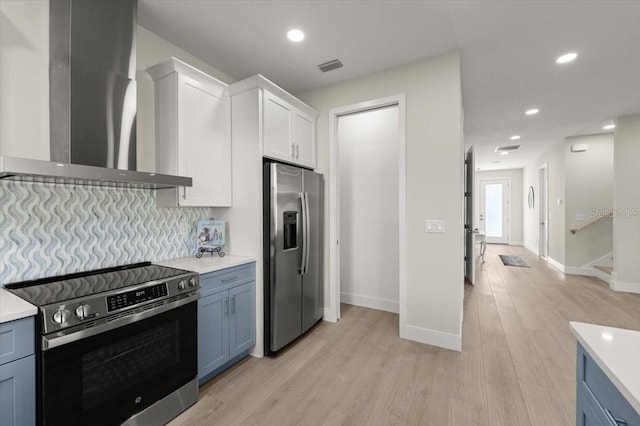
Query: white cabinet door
point(204, 150)
point(304, 139)
point(277, 129)
point(193, 135)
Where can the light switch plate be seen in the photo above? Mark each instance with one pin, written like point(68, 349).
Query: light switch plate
point(434, 226)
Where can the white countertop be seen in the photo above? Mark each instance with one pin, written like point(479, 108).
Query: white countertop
point(617, 353)
point(207, 263)
point(12, 307)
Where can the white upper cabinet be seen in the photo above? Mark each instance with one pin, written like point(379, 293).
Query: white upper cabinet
point(192, 134)
point(288, 125)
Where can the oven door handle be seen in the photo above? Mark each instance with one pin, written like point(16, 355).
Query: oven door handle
point(62, 338)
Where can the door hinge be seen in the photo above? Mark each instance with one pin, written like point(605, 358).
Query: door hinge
point(466, 162)
point(466, 258)
point(466, 226)
point(467, 194)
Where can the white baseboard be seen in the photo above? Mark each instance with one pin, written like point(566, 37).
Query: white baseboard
point(370, 302)
point(432, 337)
point(589, 272)
point(624, 287)
point(555, 264)
point(516, 243)
point(606, 260)
point(532, 249)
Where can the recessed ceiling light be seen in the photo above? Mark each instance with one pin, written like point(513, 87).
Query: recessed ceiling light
point(532, 111)
point(567, 57)
point(515, 137)
point(609, 127)
point(295, 35)
point(504, 153)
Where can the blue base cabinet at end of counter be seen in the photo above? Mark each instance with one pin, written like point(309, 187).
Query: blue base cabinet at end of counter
point(598, 401)
point(226, 319)
point(17, 373)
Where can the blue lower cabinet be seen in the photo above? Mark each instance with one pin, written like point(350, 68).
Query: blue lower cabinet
point(226, 319)
point(598, 401)
point(17, 373)
point(242, 321)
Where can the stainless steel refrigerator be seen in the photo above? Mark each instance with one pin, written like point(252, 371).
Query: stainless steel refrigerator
point(293, 253)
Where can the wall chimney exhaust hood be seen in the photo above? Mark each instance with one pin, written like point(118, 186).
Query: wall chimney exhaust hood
point(92, 100)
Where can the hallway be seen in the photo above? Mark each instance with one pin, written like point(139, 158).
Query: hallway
point(517, 366)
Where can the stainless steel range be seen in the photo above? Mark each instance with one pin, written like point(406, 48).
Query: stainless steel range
point(116, 345)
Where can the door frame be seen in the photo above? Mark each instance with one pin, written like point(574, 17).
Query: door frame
point(470, 215)
point(508, 211)
point(332, 312)
point(544, 167)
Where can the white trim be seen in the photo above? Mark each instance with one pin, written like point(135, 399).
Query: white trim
point(378, 303)
point(607, 278)
point(433, 337)
point(333, 310)
point(624, 287)
point(555, 263)
point(544, 166)
point(327, 315)
point(516, 243)
point(532, 249)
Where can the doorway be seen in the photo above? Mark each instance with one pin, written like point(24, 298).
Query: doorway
point(368, 175)
point(543, 212)
point(367, 206)
point(494, 210)
point(469, 231)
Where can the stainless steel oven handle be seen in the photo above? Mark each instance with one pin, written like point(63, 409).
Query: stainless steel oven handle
point(62, 338)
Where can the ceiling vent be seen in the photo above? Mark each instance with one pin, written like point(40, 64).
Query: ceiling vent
point(331, 65)
point(507, 148)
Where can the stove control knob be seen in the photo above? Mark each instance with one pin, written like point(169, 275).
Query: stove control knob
point(192, 282)
point(61, 316)
point(83, 311)
point(181, 285)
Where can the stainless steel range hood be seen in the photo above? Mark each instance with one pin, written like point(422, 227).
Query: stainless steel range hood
point(92, 98)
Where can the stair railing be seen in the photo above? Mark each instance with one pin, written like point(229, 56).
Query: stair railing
point(591, 222)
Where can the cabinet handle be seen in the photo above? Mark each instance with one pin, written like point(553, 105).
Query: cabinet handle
point(297, 151)
point(615, 419)
point(226, 306)
point(293, 150)
point(233, 304)
point(184, 192)
point(230, 279)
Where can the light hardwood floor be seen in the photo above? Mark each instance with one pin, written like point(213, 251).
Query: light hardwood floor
point(517, 366)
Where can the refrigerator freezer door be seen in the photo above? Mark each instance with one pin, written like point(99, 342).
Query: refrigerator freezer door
point(286, 254)
point(312, 281)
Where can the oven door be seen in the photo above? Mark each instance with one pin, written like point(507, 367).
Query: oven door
point(107, 378)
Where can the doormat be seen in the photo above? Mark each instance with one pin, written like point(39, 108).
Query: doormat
point(514, 260)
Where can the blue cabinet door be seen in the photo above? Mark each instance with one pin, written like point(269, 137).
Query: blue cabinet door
point(213, 332)
point(17, 392)
point(242, 321)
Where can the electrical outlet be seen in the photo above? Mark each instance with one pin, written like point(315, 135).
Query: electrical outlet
point(185, 228)
point(434, 226)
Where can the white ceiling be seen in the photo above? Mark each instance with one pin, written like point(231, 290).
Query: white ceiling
point(508, 51)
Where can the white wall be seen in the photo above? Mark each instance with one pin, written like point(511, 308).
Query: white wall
point(24, 79)
point(152, 49)
point(516, 192)
point(434, 176)
point(368, 146)
point(554, 158)
point(588, 187)
point(626, 204)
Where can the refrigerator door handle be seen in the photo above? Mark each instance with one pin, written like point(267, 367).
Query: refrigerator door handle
point(307, 226)
point(303, 219)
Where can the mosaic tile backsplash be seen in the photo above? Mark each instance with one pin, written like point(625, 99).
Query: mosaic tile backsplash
point(53, 229)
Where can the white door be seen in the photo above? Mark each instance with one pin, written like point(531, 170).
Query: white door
point(304, 138)
point(276, 128)
point(543, 213)
point(368, 146)
point(494, 210)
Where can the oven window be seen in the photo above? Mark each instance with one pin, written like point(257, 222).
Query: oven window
point(126, 363)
